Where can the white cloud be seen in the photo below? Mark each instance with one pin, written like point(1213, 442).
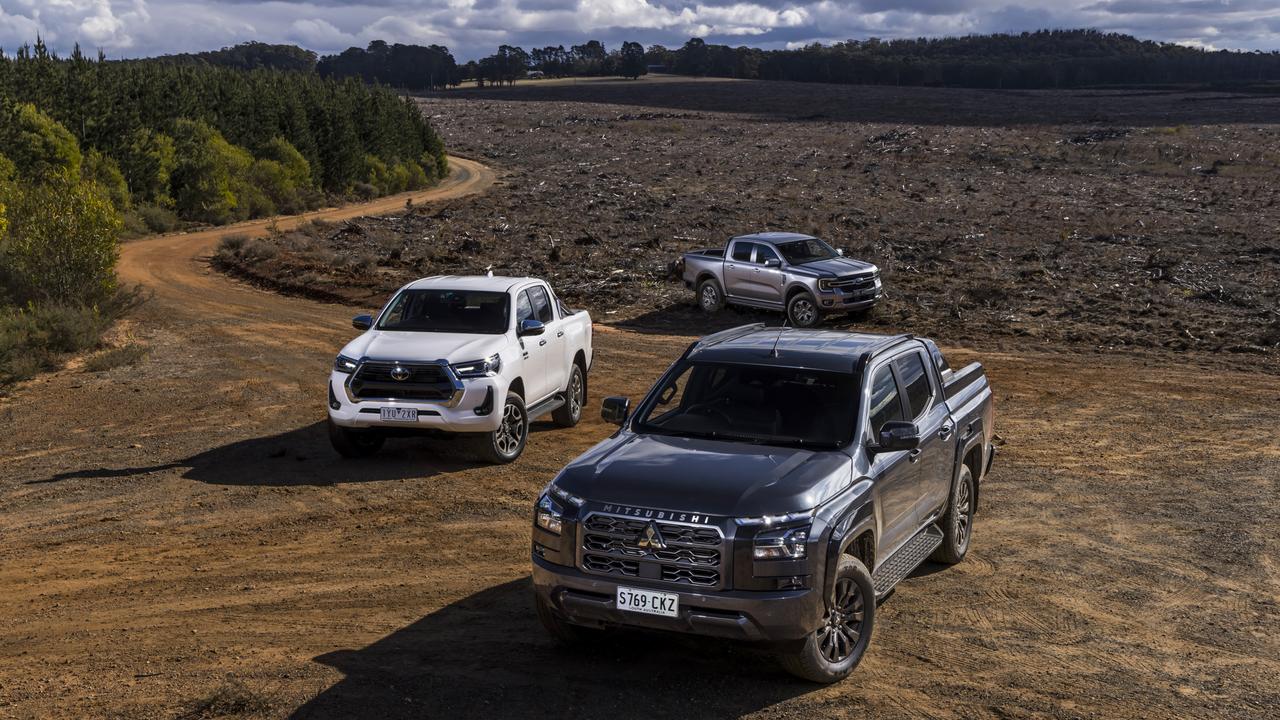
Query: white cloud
point(472, 28)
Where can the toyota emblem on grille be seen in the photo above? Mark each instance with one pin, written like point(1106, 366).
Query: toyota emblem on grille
point(400, 374)
point(652, 538)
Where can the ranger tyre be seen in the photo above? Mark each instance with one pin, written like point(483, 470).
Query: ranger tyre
point(957, 523)
point(710, 296)
point(802, 310)
point(506, 443)
point(830, 653)
point(575, 397)
point(352, 443)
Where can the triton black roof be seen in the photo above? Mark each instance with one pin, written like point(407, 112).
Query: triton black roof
point(830, 350)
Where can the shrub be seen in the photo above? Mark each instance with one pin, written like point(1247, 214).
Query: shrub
point(147, 162)
point(103, 170)
point(34, 339)
point(37, 144)
point(62, 241)
point(209, 174)
point(115, 357)
point(157, 219)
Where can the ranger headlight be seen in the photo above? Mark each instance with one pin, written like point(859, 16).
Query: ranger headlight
point(824, 284)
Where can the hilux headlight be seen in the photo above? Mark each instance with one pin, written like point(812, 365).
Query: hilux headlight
point(479, 368)
point(787, 544)
point(344, 364)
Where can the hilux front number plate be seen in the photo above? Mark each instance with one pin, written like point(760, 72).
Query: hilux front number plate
point(648, 602)
point(400, 414)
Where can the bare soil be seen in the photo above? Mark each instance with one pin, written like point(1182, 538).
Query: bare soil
point(1087, 220)
point(178, 540)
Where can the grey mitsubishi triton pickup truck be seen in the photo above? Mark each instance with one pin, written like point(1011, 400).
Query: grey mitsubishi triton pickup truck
point(774, 485)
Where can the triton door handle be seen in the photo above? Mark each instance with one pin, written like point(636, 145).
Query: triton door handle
point(914, 455)
point(945, 432)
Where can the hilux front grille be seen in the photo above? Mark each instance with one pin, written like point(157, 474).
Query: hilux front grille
point(693, 554)
point(419, 381)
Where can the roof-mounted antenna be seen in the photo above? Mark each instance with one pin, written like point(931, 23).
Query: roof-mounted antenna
point(774, 352)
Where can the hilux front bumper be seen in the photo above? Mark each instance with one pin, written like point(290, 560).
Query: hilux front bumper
point(477, 408)
point(584, 599)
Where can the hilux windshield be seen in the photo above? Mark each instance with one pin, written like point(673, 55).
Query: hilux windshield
point(799, 252)
point(448, 311)
point(749, 403)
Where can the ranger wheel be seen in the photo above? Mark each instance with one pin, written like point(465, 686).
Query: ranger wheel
point(575, 397)
point(507, 442)
point(352, 443)
point(802, 310)
point(710, 296)
point(830, 653)
point(564, 632)
point(957, 523)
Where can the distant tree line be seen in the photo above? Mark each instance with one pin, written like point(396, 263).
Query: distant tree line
point(411, 67)
point(1043, 59)
point(513, 63)
point(252, 56)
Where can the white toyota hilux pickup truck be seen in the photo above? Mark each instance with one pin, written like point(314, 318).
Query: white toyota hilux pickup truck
point(477, 355)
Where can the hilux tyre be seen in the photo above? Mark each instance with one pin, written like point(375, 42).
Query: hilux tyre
point(957, 523)
point(710, 296)
point(802, 310)
point(563, 632)
point(506, 443)
point(575, 397)
point(830, 653)
point(352, 443)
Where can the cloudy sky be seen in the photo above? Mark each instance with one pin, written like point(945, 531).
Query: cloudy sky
point(471, 28)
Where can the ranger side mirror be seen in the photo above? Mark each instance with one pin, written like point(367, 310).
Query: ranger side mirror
point(615, 410)
point(531, 327)
point(773, 263)
point(362, 322)
point(897, 435)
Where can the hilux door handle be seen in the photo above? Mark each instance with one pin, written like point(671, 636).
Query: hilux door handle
point(560, 334)
point(945, 432)
point(541, 343)
point(914, 455)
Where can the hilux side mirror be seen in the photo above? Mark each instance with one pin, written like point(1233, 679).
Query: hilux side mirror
point(362, 322)
point(615, 410)
point(840, 252)
point(773, 263)
point(531, 327)
point(897, 435)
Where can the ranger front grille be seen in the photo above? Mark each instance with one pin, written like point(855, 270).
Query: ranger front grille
point(691, 554)
point(854, 283)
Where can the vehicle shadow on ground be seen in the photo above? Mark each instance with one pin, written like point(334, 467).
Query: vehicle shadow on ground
point(486, 656)
point(684, 318)
point(304, 457)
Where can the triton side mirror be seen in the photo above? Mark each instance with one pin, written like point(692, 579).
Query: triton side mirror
point(362, 322)
point(897, 435)
point(615, 410)
point(531, 327)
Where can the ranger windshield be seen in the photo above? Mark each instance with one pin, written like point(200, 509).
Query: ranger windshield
point(799, 252)
point(750, 403)
point(448, 311)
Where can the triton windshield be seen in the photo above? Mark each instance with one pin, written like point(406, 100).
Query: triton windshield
point(448, 311)
point(750, 403)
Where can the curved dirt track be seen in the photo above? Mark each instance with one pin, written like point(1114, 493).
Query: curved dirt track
point(178, 540)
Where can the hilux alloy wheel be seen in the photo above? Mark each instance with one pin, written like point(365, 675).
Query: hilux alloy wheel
point(507, 442)
point(575, 396)
point(831, 652)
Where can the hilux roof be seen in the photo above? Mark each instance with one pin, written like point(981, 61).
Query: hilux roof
point(492, 283)
point(830, 350)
